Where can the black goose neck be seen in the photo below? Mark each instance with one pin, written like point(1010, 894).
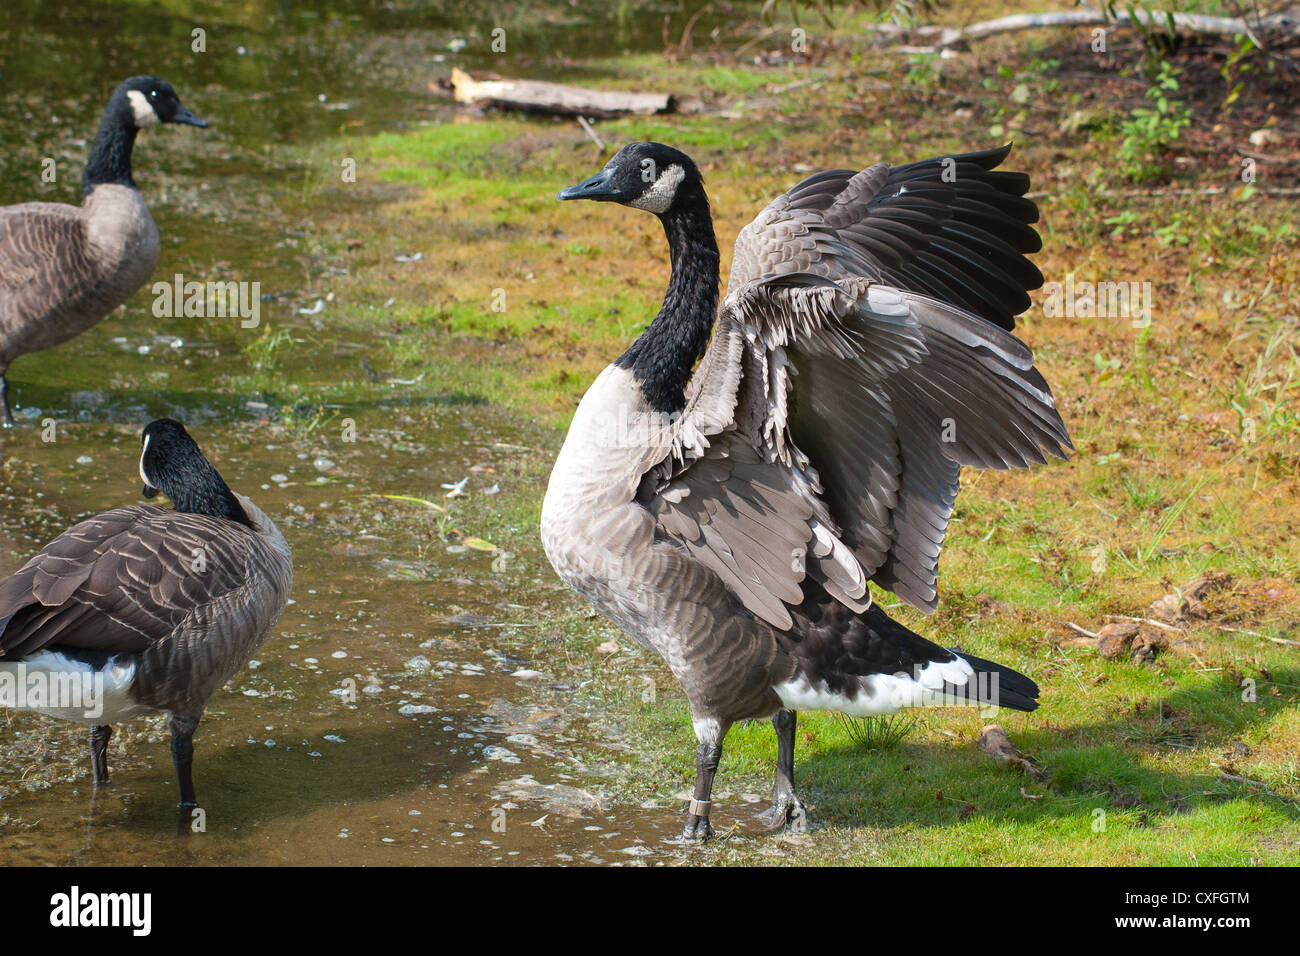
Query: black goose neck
point(204, 492)
point(664, 355)
point(110, 156)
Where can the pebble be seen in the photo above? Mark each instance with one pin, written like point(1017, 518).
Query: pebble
point(410, 709)
point(493, 752)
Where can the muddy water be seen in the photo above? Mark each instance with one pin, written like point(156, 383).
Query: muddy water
point(389, 718)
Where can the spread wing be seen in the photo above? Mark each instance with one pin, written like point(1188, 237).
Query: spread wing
point(954, 228)
point(42, 246)
point(860, 392)
point(121, 581)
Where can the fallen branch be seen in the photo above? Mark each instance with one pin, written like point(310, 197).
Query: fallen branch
point(1078, 630)
point(1284, 24)
point(555, 98)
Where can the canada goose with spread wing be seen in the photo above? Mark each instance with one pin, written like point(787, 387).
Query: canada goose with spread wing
point(733, 481)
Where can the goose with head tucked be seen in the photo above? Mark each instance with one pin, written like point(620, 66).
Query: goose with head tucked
point(731, 484)
point(64, 268)
point(144, 609)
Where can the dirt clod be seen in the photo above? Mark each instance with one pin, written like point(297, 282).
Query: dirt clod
point(1114, 639)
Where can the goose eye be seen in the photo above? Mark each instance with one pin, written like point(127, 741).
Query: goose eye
point(153, 93)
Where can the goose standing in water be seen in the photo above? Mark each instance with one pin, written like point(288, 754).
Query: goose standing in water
point(144, 609)
point(729, 514)
point(63, 268)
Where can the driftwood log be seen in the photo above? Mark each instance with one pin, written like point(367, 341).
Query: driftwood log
point(555, 98)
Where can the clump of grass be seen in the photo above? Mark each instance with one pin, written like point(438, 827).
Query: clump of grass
point(879, 733)
point(1265, 395)
point(304, 420)
point(267, 350)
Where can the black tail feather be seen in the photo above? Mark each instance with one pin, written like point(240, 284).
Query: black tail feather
point(1011, 688)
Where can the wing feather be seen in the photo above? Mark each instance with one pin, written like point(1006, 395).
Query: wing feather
point(860, 362)
point(121, 581)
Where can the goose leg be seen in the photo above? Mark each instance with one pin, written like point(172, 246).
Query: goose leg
point(100, 734)
point(786, 805)
point(182, 730)
point(4, 399)
point(708, 755)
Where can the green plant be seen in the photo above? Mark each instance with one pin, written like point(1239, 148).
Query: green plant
point(923, 70)
point(1150, 131)
point(1235, 65)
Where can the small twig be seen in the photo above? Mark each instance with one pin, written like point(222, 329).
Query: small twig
point(590, 131)
point(814, 81)
point(1076, 628)
point(685, 41)
point(1206, 191)
point(1236, 779)
point(1242, 630)
point(766, 34)
point(1278, 24)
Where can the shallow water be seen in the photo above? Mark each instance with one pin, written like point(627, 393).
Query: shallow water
point(336, 746)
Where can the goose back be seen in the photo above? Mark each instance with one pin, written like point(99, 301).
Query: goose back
point(185, 598)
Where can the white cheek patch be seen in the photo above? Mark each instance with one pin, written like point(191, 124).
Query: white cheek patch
point(142, 108)
point(660, 196)
point(143, 476)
